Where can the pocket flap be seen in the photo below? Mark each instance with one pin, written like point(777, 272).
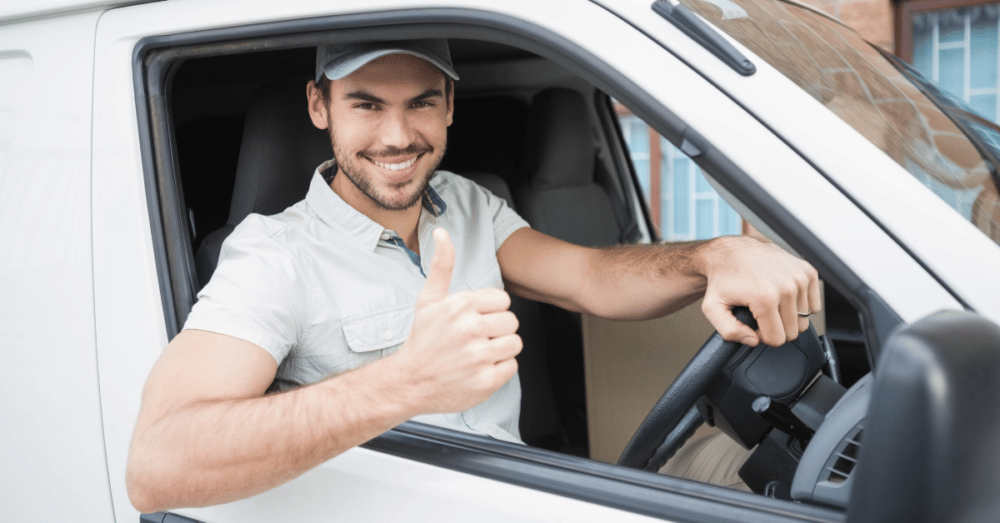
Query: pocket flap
point(378, 329)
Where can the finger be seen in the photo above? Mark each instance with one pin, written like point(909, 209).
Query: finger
point(769, 321)
point(505, 347)
point(788, 309)
point(505, 371)
point(721, 317)
point(439, 276)
point(815, 296)
point(804, 306)
point(485, 301)
point(498, 324)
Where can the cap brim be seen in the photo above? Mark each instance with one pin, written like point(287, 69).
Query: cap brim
point(353, 61)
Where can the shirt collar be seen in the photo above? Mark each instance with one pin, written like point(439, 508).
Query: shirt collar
point(340, 215)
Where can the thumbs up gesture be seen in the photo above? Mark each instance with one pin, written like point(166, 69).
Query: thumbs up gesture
point(461, 346)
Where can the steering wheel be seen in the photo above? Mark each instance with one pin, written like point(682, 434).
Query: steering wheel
point(675, 417)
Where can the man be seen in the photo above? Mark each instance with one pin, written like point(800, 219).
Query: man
point(335, 300)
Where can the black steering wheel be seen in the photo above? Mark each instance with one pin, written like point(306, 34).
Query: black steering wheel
point(675, 417)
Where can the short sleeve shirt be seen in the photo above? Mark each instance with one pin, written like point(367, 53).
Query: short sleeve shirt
point(324, 289)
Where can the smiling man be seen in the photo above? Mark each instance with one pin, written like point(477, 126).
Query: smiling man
point(378, 298)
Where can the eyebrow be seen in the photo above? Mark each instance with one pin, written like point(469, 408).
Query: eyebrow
point(367, 97)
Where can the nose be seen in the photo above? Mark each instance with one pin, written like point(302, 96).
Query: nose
point(397, 130)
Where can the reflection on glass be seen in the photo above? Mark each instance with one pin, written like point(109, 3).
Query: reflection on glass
point(861, 86)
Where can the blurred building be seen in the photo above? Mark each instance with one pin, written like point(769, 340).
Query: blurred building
point(954, 43)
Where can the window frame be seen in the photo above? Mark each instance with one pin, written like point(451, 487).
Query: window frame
point(907, 9)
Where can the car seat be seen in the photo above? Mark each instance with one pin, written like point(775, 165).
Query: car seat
point(278, 155)
point(562, 199)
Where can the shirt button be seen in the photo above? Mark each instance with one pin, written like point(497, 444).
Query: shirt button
point(388, 335)
point(386, 236)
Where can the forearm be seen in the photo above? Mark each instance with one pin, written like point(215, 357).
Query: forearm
point(221, 450)
point(635, 282)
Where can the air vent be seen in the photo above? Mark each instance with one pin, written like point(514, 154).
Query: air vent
point(845, 458)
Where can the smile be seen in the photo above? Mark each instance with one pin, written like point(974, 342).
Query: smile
point(396, 166)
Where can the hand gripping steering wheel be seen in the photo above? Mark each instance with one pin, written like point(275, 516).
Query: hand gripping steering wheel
point(675, 417)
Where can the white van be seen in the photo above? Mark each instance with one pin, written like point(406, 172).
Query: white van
point(134, 134)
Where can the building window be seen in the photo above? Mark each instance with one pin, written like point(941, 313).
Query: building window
point(956, 45)
point(682, 203)
point(957, 49)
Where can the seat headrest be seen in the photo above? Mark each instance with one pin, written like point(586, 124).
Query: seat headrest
point(280, 151)
point(494, 184)
point(560, 145)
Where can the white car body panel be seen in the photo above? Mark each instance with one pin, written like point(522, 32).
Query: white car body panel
point(52, 453)
point(12, 10)
point(365, 485)
point(940, 237)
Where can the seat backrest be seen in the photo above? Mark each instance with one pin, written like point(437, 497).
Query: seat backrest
point(561, 197)
point(539, 421)
point(281, 149)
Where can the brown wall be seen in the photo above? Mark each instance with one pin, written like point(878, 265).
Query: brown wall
point(873, 19)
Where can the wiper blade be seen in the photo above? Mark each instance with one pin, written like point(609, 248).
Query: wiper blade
point(684, 19)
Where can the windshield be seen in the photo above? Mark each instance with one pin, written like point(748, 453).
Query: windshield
point(938, 139)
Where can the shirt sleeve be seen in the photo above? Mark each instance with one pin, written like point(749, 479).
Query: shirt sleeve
point(258, 292)
point(505, 219)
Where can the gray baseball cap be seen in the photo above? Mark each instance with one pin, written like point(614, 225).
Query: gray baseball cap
point(340, 60)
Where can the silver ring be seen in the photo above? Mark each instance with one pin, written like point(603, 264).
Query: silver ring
point(804, 314)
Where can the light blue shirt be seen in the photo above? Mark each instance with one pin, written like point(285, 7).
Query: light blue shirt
point(324, 289)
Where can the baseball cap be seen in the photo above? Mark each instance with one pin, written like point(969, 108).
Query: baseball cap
point(340, 60)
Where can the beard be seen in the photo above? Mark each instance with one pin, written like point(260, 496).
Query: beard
point(407, 194)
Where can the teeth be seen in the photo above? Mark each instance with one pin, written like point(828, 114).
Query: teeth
point(395, 166)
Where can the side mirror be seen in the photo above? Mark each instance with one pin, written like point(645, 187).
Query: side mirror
point(931, 448)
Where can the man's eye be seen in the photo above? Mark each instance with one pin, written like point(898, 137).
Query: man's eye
point(423, 103)
point(367, 106)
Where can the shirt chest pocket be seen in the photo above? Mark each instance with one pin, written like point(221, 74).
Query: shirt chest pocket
point(380, 329)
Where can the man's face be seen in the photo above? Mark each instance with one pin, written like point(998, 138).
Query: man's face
point(388, 123)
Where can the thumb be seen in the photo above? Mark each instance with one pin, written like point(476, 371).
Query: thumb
point(721, 317)
point(439, 275)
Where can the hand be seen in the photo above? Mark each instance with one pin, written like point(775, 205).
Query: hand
point(772, 283)
point(461, 346)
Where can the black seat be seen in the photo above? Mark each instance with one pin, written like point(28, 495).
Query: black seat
point(281, 149)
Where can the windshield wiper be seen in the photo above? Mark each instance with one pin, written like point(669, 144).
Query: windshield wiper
point(684, 19)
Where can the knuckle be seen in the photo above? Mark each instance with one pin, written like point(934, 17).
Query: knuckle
point(516, 343)
point(766, 301)
point(514, 321)
point(469, 323)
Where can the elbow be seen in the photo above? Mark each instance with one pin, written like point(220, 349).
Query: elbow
point(145, 484)
point(142, 497)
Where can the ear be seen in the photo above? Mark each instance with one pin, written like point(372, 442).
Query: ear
point(317, 106)
point(451, 100)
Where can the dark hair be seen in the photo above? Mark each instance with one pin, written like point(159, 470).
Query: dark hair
point(324, 87)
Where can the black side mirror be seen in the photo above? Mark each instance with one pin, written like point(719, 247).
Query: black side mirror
point(931, 449)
